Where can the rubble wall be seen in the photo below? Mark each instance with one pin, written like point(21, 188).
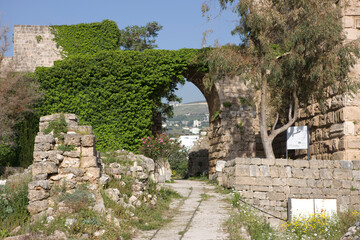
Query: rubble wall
point(269, 183)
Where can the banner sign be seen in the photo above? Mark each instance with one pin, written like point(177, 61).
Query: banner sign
point(297, 138)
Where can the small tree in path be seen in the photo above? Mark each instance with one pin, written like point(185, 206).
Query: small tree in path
point(293, 52)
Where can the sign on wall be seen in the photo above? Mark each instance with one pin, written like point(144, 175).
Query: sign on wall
point(297, 138)
point(305, 208)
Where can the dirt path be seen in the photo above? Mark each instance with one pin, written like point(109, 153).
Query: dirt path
point(199, 217)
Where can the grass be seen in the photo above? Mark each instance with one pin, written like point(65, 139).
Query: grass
point(113, 157)
point(13, 204)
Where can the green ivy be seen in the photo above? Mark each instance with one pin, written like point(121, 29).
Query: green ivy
point(116, 92)
point(86, 37)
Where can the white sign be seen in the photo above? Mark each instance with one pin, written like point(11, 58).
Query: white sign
point(297, 138)
point(305, 208)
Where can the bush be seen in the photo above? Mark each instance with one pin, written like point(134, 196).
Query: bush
point(162, 149)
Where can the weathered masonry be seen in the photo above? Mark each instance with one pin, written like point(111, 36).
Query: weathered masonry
point(269, 183)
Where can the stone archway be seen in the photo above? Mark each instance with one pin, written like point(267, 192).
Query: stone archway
point(232, 123)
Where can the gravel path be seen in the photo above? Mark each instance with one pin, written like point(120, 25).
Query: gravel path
point(199, 217)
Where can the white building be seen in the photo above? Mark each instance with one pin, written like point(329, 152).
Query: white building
point(197, 123)
point(195, 131)
point(188, 141)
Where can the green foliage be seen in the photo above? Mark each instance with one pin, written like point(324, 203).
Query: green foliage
point(217, 115)
point(116, 92)
point(162, 149)
point(86, 37)
point(227, 104)
point(13, 203)
point(65, 148)
point(246, 217)
point(79, 199)
point(139, 38)
point(38, 38)
point(58, 126)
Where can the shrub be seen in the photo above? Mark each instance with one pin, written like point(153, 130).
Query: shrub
point(79, 199)
point(162, 149)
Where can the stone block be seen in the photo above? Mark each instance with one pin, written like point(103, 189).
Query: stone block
point(72, 154)
point(326, 174)
point(39, 185)
point(301, 164)
point(342, 129)
point(293, 182)
point(88, 140)
point(356, 174)
point(242, 170)
point(346, 164)
point(339, 155)
point(276, 196)
point(39, 156)
point(346, 184)
point(37, 195)
point(355, 199)
point(87, 162)
point(281, 162)
point(274, 172)
point(343, 174)
point(44, 168)
point(352, 113)
point(72, 140)
point(245, 181)
point(37, 206)
point(260, 188)
point(88, 151)
point(45, 139)
point(76, 172)
point(356, 164)
point(316, 164)
point(43, 146)
point(264, 171)
point(266, 161)
point(254, 171)
point(297, 173)
point(311, 173)
point(93, 173)
point(69, 162)
point(260, 195)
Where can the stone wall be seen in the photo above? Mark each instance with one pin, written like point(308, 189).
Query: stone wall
point(269, 183)
point(33, 47)
point(199, 156)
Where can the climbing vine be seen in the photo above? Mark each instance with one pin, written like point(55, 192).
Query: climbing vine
point(116, 92)
point(86, 38)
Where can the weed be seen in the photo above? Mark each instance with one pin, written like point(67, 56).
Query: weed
point(38, 38)
point(58, 126)
point(81, 198)
point(217, 115)
point(227, 104)
point(13, 203)
point(65, 148)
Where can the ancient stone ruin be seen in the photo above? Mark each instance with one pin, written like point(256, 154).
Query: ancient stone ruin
point(66, 159)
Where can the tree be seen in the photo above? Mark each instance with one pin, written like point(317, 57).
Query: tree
point(18, 93)
point(139, 38)
point(293, 52)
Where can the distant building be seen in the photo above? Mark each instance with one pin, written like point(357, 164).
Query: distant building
point(188, 141)
point(197, 123)
point(195, 131)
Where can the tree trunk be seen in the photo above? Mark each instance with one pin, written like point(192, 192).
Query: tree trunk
point(267, 138)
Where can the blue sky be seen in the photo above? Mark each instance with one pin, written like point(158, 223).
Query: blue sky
point(183, 24)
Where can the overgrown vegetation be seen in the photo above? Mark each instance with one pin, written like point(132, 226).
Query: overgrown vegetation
point(116, 92)
point(13, 204)
point(162, 149)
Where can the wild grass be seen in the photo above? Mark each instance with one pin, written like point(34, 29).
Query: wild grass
point(13, 203)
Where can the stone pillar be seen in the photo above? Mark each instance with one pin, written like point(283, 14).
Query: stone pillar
point(62, 160)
